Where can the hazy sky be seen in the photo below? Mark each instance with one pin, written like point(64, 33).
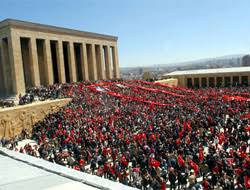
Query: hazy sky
point(150, 31)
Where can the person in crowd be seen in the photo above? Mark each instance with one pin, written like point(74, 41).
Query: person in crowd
point(147, 135)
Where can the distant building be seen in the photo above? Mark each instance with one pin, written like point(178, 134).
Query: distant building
point(222, 77)
point(246, 60)
point(147, 76)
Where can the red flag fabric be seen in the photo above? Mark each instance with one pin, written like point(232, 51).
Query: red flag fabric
point(151, 127)
point(124, 161)
point(247, 116)
point(201, 155)
point(247, 128)
point(221, 138)
point(194, 166)
point(181, 133)
point(137, 170)
point(68, 110)
point(99, 171)
point(180, 160)
point(230, 161)
point(238, 171)
point(187, 140)
point(151, 107)
point(187, 125)
point(82, 162)
point(153, 137)
point(154, 163)
point(216, 169)
point(144, 136)
point(178, 141)
point(235, 98)
point(189, 128)
point(77, 168)
point(247, 182)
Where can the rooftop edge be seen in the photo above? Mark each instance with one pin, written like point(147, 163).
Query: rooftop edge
point(54, 29)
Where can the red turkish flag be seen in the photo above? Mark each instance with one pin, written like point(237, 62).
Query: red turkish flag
point(230, 161)
point(178, 141)
point(247, 116)
point(194, 166)
point(180, 160)
point(247, 182)
point(189, 128)
point(187, 140)
point(247, 128)
point(82, 162)
point(201, 155)
point(76, 167)
point(153, 137)
point(154, 163)
point(144, 136)
point(238, 171)
point(151, 107)
point(124, 161)
point(221, 138)
point(180, 134)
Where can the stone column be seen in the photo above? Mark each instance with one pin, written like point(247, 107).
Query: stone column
point(16, 64)
point(215, 81)
point(100, 62)
point(223, 81)
point(116, 69)
point(60, 60)
point(3, 67)
point(231, 81)
point(83, 52)
point(200, 85)
point(107, 62)
point(72, 63)
point(193, 82)
point(92, 64)
point(35, 75)
point(1, 72)
point(207, 81)
point(48, 63)
point(240, 80)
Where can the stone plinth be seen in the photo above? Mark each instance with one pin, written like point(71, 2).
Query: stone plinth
point(14, 120)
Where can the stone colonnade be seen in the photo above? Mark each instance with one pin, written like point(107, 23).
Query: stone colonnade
point(34, 61)
point(217, 81)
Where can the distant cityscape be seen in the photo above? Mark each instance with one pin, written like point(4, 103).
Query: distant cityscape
point(156, 71)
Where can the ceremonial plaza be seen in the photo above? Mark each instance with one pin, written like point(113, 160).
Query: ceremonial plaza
point(76, 124)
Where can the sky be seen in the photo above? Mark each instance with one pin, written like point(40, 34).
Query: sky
point(150, 32)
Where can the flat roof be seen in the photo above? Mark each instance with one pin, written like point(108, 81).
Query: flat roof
point(209, 71)
point(24, 172)
point(53, 29)
point(19, 175)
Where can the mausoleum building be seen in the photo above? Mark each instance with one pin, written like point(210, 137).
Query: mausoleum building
point(35, 54)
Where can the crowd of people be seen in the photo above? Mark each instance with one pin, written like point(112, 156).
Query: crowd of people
point(35, 94)
point(147, 135)
point(6, 103)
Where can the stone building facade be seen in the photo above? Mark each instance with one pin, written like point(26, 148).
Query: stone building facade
point(35, 54)
point(221, 77)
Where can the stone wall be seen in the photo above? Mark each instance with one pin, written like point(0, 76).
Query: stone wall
point(170, 82)
point(13, 120)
